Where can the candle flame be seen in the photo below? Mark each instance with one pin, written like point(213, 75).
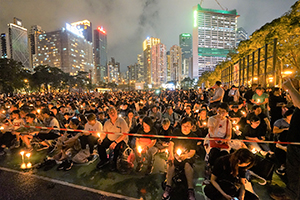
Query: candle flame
point(29, 165)
point(167, 151)
point(1, 128)
point(254, 150)
point(23, 166)
point(237, 127)
point(98, 134)
point(38, 111)
point(28, 155)
point(179, 152)
point(139, 148)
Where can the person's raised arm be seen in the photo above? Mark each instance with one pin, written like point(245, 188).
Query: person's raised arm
point(295, 95)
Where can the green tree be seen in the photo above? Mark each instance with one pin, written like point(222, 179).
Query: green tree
point(12, 75)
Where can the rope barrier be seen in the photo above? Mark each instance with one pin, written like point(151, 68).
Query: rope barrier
point(159, 136)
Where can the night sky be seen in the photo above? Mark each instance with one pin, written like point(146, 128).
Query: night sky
point(129, 22)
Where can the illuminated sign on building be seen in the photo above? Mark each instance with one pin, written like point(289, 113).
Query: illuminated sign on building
point(186, 35)
point(83, 22)
point(101, 30)
point(74, 30)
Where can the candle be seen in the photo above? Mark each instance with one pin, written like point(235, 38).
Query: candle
point(204, 123)
point(38, 111)
point(98, 134)
point(237, 128)
point(167, 151)
point(22, 154)
point(258, 100)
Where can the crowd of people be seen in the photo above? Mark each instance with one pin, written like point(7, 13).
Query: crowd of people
point(218, 113)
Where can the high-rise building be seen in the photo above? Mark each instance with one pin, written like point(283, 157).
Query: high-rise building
point(17, 43)
point(140, 71)
point(3, 39)
point(35, 31)
point(214, 35)
point(186, 45)
point(100, 54)
point(241, 35)
point(113, 74)
point(147, 45)
point(133, 72)
point(66, 49)
point(86, 27)
point(158, 65)
point(176, 63)
point(168, 66)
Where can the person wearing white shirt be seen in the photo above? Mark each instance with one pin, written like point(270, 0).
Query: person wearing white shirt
point(112, 141)
point(90, 137)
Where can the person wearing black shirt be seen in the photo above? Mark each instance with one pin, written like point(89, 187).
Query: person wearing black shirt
point(145, 146)
point(181, 153)
point(228, 177)
point(165, 130)
point(255, 132)
point(275, 102)
point(293, 151)
point(248, 96)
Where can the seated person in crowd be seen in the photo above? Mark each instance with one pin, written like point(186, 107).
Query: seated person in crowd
point(49, 121)
point(146, 146)
point(228, 177)
point(181, 154)
point(115, 124)
point(165, 130)
point(90, 137)
point(255, 132)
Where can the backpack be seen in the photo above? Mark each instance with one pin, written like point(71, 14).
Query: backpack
point(125, 161)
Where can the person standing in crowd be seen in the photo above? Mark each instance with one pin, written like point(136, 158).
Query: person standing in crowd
point(276, 102)
point(228, 177)
point(280, 130)
point(249, 94)
point(234, 94)
point(293, 151)
point(218, 94)
point(115, 124)
point(181, 153)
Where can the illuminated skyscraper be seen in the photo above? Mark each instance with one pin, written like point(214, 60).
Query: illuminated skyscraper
point(147, 45)
point(113, 73)
point(33, 40)
point(140, 70)
point(158, 65)
point(186, 44)
point(86, 27)
point(3, 39)
point(66, 49)
point(241, 35)
point(100, 54)
point(17, 43)
point(176, 63)
point(214, 35)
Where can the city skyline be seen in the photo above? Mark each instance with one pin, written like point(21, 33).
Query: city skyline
point(137, 20)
